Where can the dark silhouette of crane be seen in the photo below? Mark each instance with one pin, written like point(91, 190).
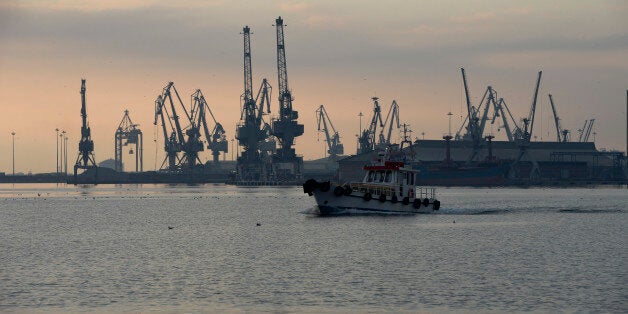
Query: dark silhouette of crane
point(559, 130)
point(285, 127)
point(173, 133)
point(86, 159)
point(217, 138)
point(367, 139)
point(528, 127)
point(391, 121)
point(253, 134)
point(128, 133)
point(332, 138)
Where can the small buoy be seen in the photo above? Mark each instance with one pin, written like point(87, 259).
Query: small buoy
point(258, 224)
point(454, 221)
point(170, 228)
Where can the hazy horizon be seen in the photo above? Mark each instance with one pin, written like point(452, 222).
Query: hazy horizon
point(339, 54)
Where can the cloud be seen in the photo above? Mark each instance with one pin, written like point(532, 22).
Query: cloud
point(474, 18)
point(295, 6)
point(88, 6)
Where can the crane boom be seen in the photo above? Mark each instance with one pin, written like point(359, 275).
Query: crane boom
point(589, 128)
point(334, 147)
point(556, 120)
point(533, 109)
point(392, 119)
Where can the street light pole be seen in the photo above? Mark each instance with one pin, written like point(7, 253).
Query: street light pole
point(65, 153)
point(13, 150)
point(232, 148)
point(57, 130)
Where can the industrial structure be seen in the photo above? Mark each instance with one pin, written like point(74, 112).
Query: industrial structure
point(287, 165)
point(183, 142)
point(367, 138)
point(216, 138)
point(391, 122)
point(252, 132)
point(85, 159)
point(332, 138)
point(262, 162)
point(128, 133)
point(562, 135)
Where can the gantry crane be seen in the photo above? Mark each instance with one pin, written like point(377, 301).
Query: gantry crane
point(85, 159)
point(128, 133)
point(217, 138)
point(559, 130)
point(391, 121)
point(285, 127)
point(367, 140)
point(334, 147)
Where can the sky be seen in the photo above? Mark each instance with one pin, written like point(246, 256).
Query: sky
point(339, 54)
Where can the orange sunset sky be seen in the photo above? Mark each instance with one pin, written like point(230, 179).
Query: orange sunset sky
point(339, 54)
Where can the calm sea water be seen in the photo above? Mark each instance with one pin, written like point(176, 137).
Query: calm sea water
point(109, 248)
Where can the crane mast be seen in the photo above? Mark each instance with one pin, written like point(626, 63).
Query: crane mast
point(285, 127)
point(334, 147)
point(85, 159)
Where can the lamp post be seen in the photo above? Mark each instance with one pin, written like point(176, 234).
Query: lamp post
point(13, 150)
point(62, 151)
point(57, 130)
point(450, 114)
point(232, 148)
point(64, 142)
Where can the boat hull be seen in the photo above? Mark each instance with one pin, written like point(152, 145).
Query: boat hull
point(330, 204)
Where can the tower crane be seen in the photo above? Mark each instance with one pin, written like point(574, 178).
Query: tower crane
point(85, 159)
point(285, 128)
point(334, 147)
point(128, 133)
point(392, 120)
point(216, 139)
point(559, 130)
point(366, 139)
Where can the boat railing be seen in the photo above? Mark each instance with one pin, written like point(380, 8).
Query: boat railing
point(376, 189)
point(423, 192)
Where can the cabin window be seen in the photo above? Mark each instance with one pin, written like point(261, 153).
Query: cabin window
point(388, 175)
point(370, 176)
point(381, 176)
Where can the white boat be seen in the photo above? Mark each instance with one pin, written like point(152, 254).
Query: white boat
point(388, 187)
